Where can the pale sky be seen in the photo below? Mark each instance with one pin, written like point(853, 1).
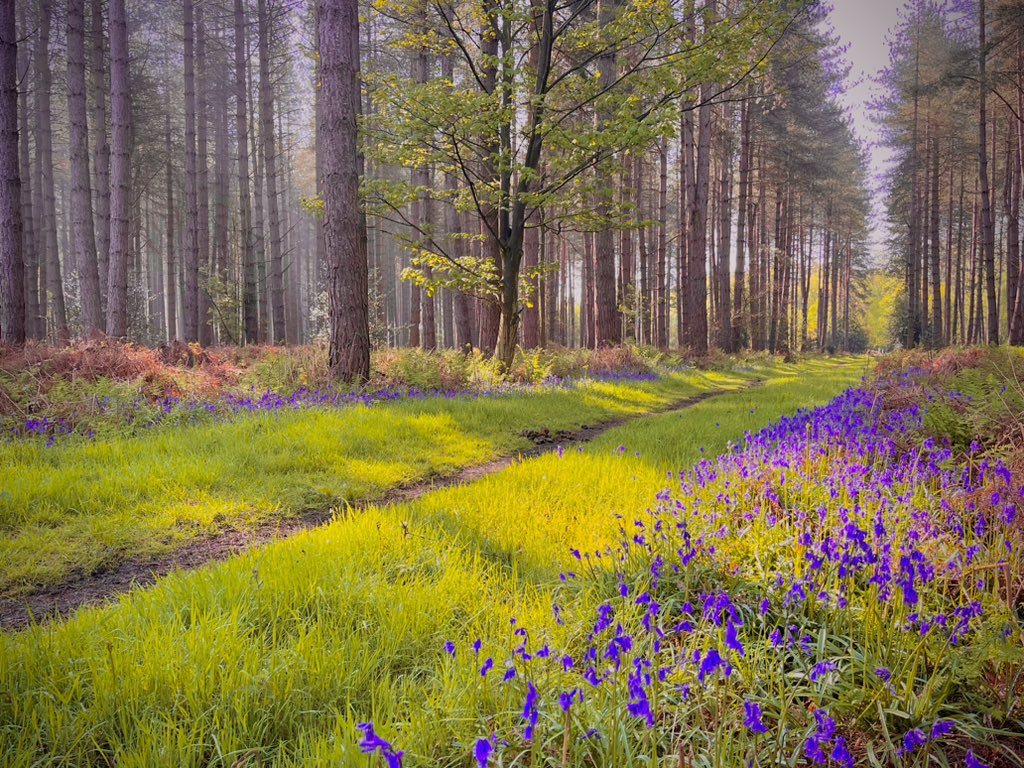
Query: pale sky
point(864, 25)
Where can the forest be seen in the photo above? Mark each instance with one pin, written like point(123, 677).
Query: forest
point(512, 383)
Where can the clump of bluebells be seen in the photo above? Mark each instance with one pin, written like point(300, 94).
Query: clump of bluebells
point(834, 587)
point(144, 413)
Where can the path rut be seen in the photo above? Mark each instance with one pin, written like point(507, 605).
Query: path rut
point(60, 600)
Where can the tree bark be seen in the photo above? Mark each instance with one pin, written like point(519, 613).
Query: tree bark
point(344, 225)
point(988, 244)
point(202, 177)
point(46, 209)
point(936, 277)
point(171, 282)
point(725, 337)
point(270, 172)
point(101, 148)
point(190, 300)
point(83, 237)
point(120, 173)
point(741, 224)
point(249, 298)
point(660, 288)
point(696, 271)
point(1014, 266)
point(34, 326)
point(12, 268)
point(607, 324)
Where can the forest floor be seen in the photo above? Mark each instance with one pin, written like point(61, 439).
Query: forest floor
point(602, 605)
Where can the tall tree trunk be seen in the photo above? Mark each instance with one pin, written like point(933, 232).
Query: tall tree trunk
point(725, 237)
point(83, 237)
point(696, 272)
point(1012, 195)
point(988, 245)
point(741, 221)
point(644, 303)
point(190, 302)
point(219, 264)
point(925, 230)
point(12, 268)
point(607, 323)
point(202, 177)
point(120, 173)
point(531, 259)
point(1017, 307)
point(660, 282)
point(34, 325)
point(344, 224)
point(249, 295)
point(913, 252)
point(422, 302)
point(270, 168)
point(627, 198)
point(490, 325)
point(587, 325)
point(47, 208)
point(171, 282)
point(101, 147)
point(936, 287)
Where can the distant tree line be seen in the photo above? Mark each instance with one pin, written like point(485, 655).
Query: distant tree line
point(526, 173)
point(953, 107)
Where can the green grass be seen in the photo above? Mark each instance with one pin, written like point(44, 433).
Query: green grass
point(81, 506)
point(274, 656)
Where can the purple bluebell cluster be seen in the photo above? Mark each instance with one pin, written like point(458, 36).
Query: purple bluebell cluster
point(144, 413)
point(834, 558)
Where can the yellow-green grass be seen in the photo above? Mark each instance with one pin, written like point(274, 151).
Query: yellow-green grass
point(79, 506)
point(275, 655)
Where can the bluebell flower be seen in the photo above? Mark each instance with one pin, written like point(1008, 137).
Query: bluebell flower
point(731, 639)
point(484, 748)
point(752, 717)
point(373, 743)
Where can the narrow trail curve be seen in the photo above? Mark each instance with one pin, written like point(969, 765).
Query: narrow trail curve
point(61, 600)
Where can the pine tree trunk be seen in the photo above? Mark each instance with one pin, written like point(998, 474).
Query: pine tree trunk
point(202, 178)
point(741, 222)
point(171, 278)
point(913, 252)
point(988, 244)
point(696, 271)
point(12, 268)
point(660, 286)
point(531, 258)
point(1012, 195)
point(190, 302)
point(270, 170)
point(490, 310)
point(249, 295)
point(101, 146)
point(725, 237)
point(33, 325)
point(344, 225)
point(222, 168)
point(83, 237)
point(644, 301)
point(47, 207)
point(120, 173)
point(607, 324)
point(936, 286)
point(627, 269)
